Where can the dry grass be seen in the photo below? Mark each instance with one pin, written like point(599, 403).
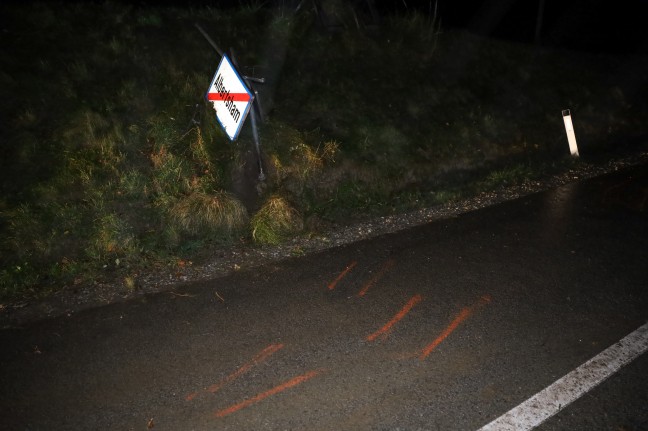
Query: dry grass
point(216, 213)
point(275, 221)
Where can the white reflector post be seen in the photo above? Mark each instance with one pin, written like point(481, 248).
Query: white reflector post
point(571, 136)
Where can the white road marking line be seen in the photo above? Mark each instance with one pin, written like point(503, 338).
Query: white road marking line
point(572, 386)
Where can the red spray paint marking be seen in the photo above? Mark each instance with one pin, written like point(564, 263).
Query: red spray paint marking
point(287, 385)
point(368, 285)
point(235, 97)
point(406, 309)
point(258, 358)
point(343, 274)
point(461, 317)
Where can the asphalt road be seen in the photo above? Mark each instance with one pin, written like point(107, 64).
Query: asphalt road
point(445, 326)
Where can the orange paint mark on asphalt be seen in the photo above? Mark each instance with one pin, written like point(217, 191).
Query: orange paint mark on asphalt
point(402, 313)
point(461, 317)
point(260, 357)
point(287, 385)
point(343, 274)
point(385, 267)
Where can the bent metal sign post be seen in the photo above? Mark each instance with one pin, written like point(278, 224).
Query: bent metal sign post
point(231, 98)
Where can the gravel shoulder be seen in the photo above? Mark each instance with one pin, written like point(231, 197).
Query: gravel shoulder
point(73, 299)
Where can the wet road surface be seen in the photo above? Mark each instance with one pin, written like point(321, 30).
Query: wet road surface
point(445, 326)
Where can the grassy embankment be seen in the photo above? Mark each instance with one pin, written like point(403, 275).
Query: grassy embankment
point(112, 163)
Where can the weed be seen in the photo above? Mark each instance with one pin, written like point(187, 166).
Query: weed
point(507, 177)
point(113, 237)
point(133, 184)
point(297, 251)
point(295, 163)
point(444, 196)
point(169, 173)
point(130, 283)
point(151, 19)
point(16, 278)
point(275, 221)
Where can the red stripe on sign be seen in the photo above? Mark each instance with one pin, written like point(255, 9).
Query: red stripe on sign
point(235, 97)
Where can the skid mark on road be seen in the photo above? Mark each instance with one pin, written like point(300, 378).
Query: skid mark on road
point(461, 317)
point(402, 313)
point(381, 272)
point(277, 389)
point(343, 274)
point(258, 358)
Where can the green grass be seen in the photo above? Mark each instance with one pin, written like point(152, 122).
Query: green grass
point(275, 221)
point(111, 159)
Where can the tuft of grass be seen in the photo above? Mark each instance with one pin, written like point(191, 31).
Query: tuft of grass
point(304, 161)
point(275, 221)
point(507, 176)
point(296, 162)
point(17, 278)
point(151, 19)
point(219, 213)
point(113, 239)
point(130, 283)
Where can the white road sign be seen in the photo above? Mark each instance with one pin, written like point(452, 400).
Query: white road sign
point(231, 98)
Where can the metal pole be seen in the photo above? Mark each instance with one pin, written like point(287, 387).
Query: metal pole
point(209, 39)
point(253, 117)
point(257, 143)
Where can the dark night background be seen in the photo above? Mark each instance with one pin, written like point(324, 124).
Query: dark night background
point(591, 25)
point(586, 25)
